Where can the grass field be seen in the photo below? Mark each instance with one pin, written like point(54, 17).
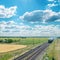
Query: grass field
point(53, 51)
point(57, 49)
point(28, 42)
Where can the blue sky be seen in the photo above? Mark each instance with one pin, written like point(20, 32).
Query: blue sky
point(30, 18)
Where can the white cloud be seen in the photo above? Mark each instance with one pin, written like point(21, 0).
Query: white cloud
point(26, 30)
point(52, 0)
point(49, 30)
point(57, 20)
point(7, 12)
point(12, 26)
point(40, 16)
point(51, 5)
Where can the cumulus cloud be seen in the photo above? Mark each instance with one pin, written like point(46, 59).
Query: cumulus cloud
point(42, 16)
point(51, 5)
point(54, 18)
point(49, 30)
point(32, 16)
point(7, 12)
point(52, 0)
point(57, 20)
point(12, 26)
point(26, 30)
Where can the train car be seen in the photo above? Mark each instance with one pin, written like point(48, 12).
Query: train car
point(50, 40)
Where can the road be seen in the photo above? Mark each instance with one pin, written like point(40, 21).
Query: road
point(33, 53)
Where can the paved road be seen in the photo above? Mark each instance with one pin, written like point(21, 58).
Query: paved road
point(33, 53)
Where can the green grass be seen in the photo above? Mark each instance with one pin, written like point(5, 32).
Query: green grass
point(30, 42)
point(27, 41)
point(49, 53)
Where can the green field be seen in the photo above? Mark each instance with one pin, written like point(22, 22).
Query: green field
point(30, 42)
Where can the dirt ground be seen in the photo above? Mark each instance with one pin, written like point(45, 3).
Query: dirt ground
point(10, 47)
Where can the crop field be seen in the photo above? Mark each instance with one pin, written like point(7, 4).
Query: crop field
point(10, 48)
point(53, 51)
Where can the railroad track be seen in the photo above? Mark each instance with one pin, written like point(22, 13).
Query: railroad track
point(33, 53)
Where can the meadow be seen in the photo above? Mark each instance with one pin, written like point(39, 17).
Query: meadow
point(13, 53)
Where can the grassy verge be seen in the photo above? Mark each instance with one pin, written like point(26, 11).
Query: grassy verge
point(52, 53)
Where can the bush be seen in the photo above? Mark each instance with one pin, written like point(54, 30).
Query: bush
point(1, 41)
point(8, 41)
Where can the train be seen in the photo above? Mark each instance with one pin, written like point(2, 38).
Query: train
point(50, 40)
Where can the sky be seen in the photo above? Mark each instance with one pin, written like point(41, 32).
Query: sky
point(30, 18)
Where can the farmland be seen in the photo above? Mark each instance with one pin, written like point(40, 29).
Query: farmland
point(27, 43)
point(8, 47)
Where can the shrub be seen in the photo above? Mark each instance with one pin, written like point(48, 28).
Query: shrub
point(1, 41)
point(8, 41)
